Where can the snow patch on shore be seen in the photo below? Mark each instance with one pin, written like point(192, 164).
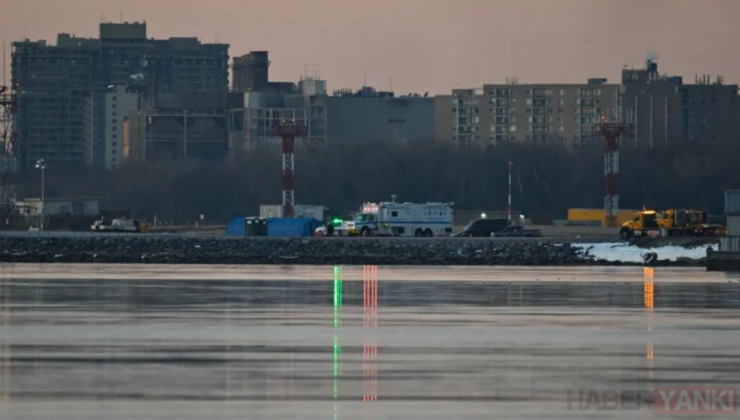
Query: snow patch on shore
point(620, 251)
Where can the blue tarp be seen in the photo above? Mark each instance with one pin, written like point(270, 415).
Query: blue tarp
point(279, 227)
point(237, 227)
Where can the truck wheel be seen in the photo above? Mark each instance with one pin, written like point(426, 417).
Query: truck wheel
point(418, 233)
point(365, 232)
point(428, 233)
point(625, 233)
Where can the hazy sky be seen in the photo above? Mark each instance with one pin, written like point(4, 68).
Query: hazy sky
point(425, 45)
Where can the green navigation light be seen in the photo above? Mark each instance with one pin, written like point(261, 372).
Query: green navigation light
point(337, 349)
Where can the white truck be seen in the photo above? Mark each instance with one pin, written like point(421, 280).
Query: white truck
point(402, 219)
point(120, 225)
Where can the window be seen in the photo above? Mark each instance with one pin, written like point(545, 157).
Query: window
point(394, 214)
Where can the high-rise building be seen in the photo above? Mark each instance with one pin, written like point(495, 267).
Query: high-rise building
point(105, 114)
point(54, 82)
point(250, 72)
point(663, 111)
point(539, 113)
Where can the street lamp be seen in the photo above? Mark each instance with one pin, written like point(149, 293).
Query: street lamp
point(41, 164)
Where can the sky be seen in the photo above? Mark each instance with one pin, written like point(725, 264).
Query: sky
point(424, 45)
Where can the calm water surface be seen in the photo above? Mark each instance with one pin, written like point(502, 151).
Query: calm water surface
point(181, 342)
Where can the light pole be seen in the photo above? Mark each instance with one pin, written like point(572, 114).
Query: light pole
point(41, 164)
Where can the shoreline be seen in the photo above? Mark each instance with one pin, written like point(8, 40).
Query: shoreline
point(196, 250)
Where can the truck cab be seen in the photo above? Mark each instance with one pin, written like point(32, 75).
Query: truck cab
point(642, 223)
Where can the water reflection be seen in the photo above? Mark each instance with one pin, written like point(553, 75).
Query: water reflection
point(268, 343)
point(370, 344)
point(5, 348)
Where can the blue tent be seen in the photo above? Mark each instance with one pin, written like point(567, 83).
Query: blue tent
point(237, 227)
point(297, 227)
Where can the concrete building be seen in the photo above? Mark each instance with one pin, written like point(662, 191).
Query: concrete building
point(53, 82)
point(105, 113)
point(370, 116)
point(664, 111)
point(181, 126)
point(539, 113)
point(364, 116)
point(250, 72)
point(661, 109)
point(76, 207)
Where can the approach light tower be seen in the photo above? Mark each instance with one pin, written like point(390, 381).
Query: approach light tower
point(288, 131)
point(611, 132)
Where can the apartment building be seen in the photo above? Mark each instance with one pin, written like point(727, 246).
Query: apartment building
point(663, 111)
point(105, 114)
point(54, 83)
point(538, 113)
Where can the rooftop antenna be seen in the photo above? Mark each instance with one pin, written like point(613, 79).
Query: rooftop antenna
point(316, 70)
point(364, 82)
point(120, 16)
point(217, 36)
point(5, 71)
point(391, 84)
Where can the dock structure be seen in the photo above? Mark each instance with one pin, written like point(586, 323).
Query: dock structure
point(727, 258)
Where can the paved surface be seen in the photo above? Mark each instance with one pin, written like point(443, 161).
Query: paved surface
point(62, 234)
point(355, 343)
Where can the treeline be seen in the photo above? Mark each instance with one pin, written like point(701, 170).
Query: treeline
point(547, 180)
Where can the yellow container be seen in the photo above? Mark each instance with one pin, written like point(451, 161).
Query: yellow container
point(598, 215)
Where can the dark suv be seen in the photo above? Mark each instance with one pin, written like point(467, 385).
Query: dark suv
point(483, 228)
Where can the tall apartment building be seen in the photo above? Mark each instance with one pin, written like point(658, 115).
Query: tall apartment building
point(539, 113)
point(250, 72)
point(53, 82)
point(105, 114)
point(664, 111)
point(661, 109)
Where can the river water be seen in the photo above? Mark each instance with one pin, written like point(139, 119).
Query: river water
point(208, 342)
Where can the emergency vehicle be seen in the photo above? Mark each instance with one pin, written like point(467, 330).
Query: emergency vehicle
point(403, 219)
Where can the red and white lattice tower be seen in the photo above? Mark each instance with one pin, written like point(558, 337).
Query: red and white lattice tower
point(8, 144)
point(288, 132)
point(611, 132)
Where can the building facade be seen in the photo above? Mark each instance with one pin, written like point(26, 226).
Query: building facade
point(105, 114)
point(661, 109)
point(181, 126)
point(54, 82)
point(369, 116)
point(538, 113)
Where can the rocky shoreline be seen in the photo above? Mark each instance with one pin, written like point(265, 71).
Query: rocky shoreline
point(311, 251)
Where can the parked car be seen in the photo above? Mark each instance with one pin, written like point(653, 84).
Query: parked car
point(483, 228)
point(517, 232)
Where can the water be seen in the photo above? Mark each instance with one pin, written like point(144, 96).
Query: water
point(175, 342)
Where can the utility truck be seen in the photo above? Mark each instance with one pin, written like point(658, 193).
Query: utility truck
point(402, 219)
point(120, 225)
point(673, 222)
